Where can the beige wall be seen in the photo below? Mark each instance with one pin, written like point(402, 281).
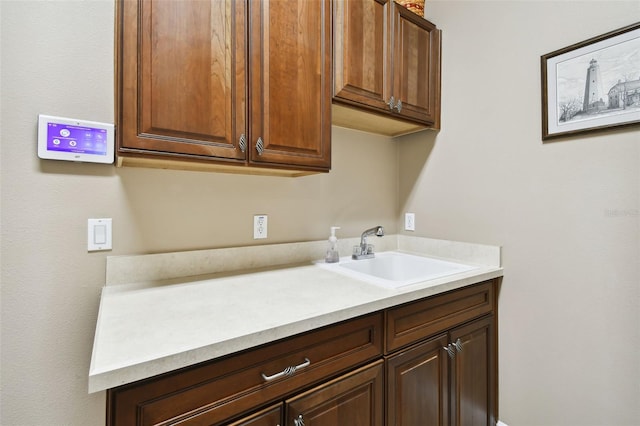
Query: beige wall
point(57, 58)
point(570, 301)
point(567, 213)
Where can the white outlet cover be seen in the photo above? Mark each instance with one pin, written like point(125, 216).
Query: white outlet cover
point(260, 226)
point(409, 222)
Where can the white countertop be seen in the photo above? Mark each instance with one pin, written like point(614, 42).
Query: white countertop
point(153, 326)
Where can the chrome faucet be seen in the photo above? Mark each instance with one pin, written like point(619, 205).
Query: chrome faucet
point(364, 250)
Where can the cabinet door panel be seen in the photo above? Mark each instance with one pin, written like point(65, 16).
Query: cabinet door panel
point(361, 52)
point(417, 385)
point(416, 66)
point(290, 60)
point(182, 74)
point(355, 399)
point(473, 374)
point(271, 416)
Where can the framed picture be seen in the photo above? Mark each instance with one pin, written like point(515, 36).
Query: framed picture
point(592, 85)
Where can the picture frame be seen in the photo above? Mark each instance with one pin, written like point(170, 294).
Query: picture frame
point(593, 85)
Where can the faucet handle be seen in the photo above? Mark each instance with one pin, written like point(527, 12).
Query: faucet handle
point(363, 252)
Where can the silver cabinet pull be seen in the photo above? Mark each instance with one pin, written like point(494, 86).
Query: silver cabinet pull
point(243, 143)
point(260, 146)
point(454, 347)
point(299, 421)
point(450, 350)
point(395, 105)
point(391, 103)
point(289, 371)
point(458, 345)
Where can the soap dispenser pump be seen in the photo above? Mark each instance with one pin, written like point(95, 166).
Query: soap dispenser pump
point(332, 255)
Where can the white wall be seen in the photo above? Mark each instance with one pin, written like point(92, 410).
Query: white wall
point(567, 212)
point(570, 302)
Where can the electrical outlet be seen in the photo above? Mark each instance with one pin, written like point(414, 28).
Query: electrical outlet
point(409, 222)
point(259, 226)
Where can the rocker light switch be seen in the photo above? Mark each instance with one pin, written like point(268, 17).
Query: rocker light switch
point(99, 234)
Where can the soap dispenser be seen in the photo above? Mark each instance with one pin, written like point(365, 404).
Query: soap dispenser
point(332, 251)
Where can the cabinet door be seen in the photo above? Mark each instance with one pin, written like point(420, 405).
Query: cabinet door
point(181, 77)
point(271, 416)
point(355, 399)
point(290, 83)
point(473, 375)
point(416, 66)
point(418, 385)
point(361, 55)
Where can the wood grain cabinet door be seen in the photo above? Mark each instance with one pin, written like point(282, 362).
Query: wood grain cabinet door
point(418, 385)
point(473, 372)
point(361, 55)
point(355, 399)
point(271, 416)
point(416, 67)
point(181, 78)
point(290, 83)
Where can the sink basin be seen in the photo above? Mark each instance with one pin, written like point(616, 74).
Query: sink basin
point(394, 269)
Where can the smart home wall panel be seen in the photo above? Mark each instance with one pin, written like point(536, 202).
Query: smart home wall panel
point(70, 139)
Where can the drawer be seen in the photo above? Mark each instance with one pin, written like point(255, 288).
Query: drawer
point(415, 321)
point(215, 391)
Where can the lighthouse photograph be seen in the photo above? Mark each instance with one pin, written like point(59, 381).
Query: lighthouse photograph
point(592, 85)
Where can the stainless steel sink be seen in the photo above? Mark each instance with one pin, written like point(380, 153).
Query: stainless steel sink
point(395, 269)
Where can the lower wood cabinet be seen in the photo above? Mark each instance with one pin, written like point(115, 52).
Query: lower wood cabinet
point(473, 374)
point(442, 359)
point(271, 416)
point(428, 362)
point(355, 399)
point(446, 380)
point(418, 385)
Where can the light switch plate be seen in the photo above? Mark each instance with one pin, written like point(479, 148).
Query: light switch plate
point(99, 234)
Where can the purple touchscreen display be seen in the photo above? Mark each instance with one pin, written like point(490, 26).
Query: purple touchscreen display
point(80, 139)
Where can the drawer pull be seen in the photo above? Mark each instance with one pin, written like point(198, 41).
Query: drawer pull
point(289, 371)
point(299, 421)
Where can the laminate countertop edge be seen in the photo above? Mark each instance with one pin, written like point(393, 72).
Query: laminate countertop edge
point(149, 328)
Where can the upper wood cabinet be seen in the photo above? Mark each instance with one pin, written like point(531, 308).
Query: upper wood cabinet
point(290, 84)
point(225, 83)
point(386, 63)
